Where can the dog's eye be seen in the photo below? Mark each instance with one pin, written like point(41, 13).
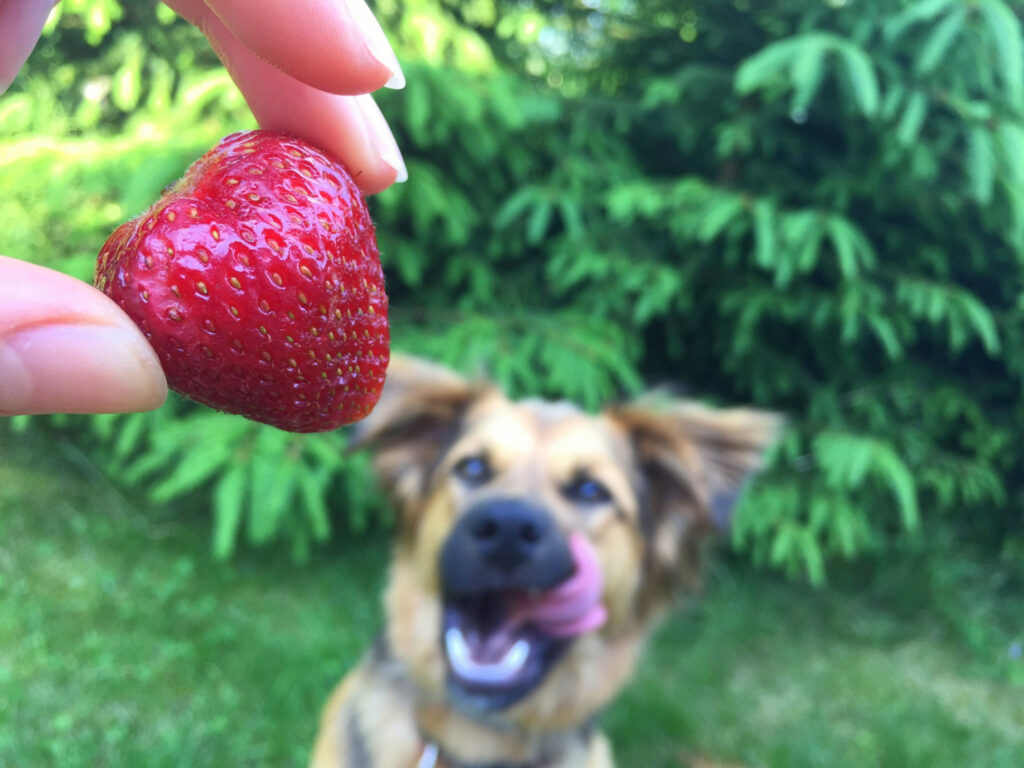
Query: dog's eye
point(587, 490)
point(474, 470)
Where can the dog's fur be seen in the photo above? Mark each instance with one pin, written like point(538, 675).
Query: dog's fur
point(670, 470)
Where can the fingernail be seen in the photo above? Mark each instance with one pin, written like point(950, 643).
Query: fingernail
point(382, 138)
point(78, 368)
point(377, 42)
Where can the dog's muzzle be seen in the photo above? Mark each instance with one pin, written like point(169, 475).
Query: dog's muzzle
point(516, 592)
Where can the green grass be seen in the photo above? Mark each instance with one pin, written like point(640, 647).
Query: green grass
point(122, 643)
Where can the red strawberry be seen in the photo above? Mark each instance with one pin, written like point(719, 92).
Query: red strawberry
point(257, 280)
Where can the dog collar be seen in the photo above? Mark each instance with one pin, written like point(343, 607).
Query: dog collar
point(431, 756)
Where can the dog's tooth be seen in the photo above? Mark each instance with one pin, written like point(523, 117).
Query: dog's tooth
point(516, 656)
point(458, 650)
point(499, 672)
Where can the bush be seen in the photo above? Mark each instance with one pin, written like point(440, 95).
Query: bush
point(814, 207)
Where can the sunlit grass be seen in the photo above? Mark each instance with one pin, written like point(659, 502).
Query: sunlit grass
point(123, 643)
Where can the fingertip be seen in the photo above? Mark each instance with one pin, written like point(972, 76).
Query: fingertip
point(67, 367)
point(337, 47)
point(376, 42)
point(382, 140)
point(65, 347)
point(20, 26)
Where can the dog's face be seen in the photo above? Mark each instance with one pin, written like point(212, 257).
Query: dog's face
point(538, 542)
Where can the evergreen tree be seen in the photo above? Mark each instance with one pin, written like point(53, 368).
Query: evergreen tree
point(816, 207)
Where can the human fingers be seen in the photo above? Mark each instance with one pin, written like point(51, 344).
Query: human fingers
point(67, 348)
point(21, 21)
point(349, 127)
point(333, 45)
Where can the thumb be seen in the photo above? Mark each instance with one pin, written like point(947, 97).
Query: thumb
point(21, 21)
point(67, 348)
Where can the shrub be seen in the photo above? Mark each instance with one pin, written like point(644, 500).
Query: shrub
point(814, 207)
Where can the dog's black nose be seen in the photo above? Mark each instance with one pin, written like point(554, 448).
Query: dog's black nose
point(505, 543)
point(507, 533)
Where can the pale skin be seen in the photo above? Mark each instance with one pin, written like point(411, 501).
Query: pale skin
point(306, 67)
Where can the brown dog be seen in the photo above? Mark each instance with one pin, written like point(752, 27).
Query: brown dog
point(537, 546)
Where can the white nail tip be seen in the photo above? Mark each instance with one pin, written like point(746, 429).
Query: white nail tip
point(402, 173)
point(396, 81)
point(377, 42)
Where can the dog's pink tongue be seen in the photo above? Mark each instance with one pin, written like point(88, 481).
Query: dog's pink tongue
point(574, 606)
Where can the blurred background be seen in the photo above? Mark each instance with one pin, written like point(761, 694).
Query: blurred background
point(815, 206)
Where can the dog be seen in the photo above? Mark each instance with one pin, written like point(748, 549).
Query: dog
point(536, 547)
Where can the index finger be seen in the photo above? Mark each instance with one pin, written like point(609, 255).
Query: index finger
point(335, 46)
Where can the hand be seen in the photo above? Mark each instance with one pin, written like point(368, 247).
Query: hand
point(305, 67)
point(320, 53)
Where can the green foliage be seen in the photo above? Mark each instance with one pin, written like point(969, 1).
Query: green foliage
point(799, 62)
point(265, 482)
point(814, 207)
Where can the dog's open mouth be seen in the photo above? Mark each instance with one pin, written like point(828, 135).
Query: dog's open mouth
point(492, 656)
point(500, 644)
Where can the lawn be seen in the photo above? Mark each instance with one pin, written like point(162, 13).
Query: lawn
point(123, 643)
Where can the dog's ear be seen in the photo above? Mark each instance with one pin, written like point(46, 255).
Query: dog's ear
point(692, 462)
point(413, 423)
